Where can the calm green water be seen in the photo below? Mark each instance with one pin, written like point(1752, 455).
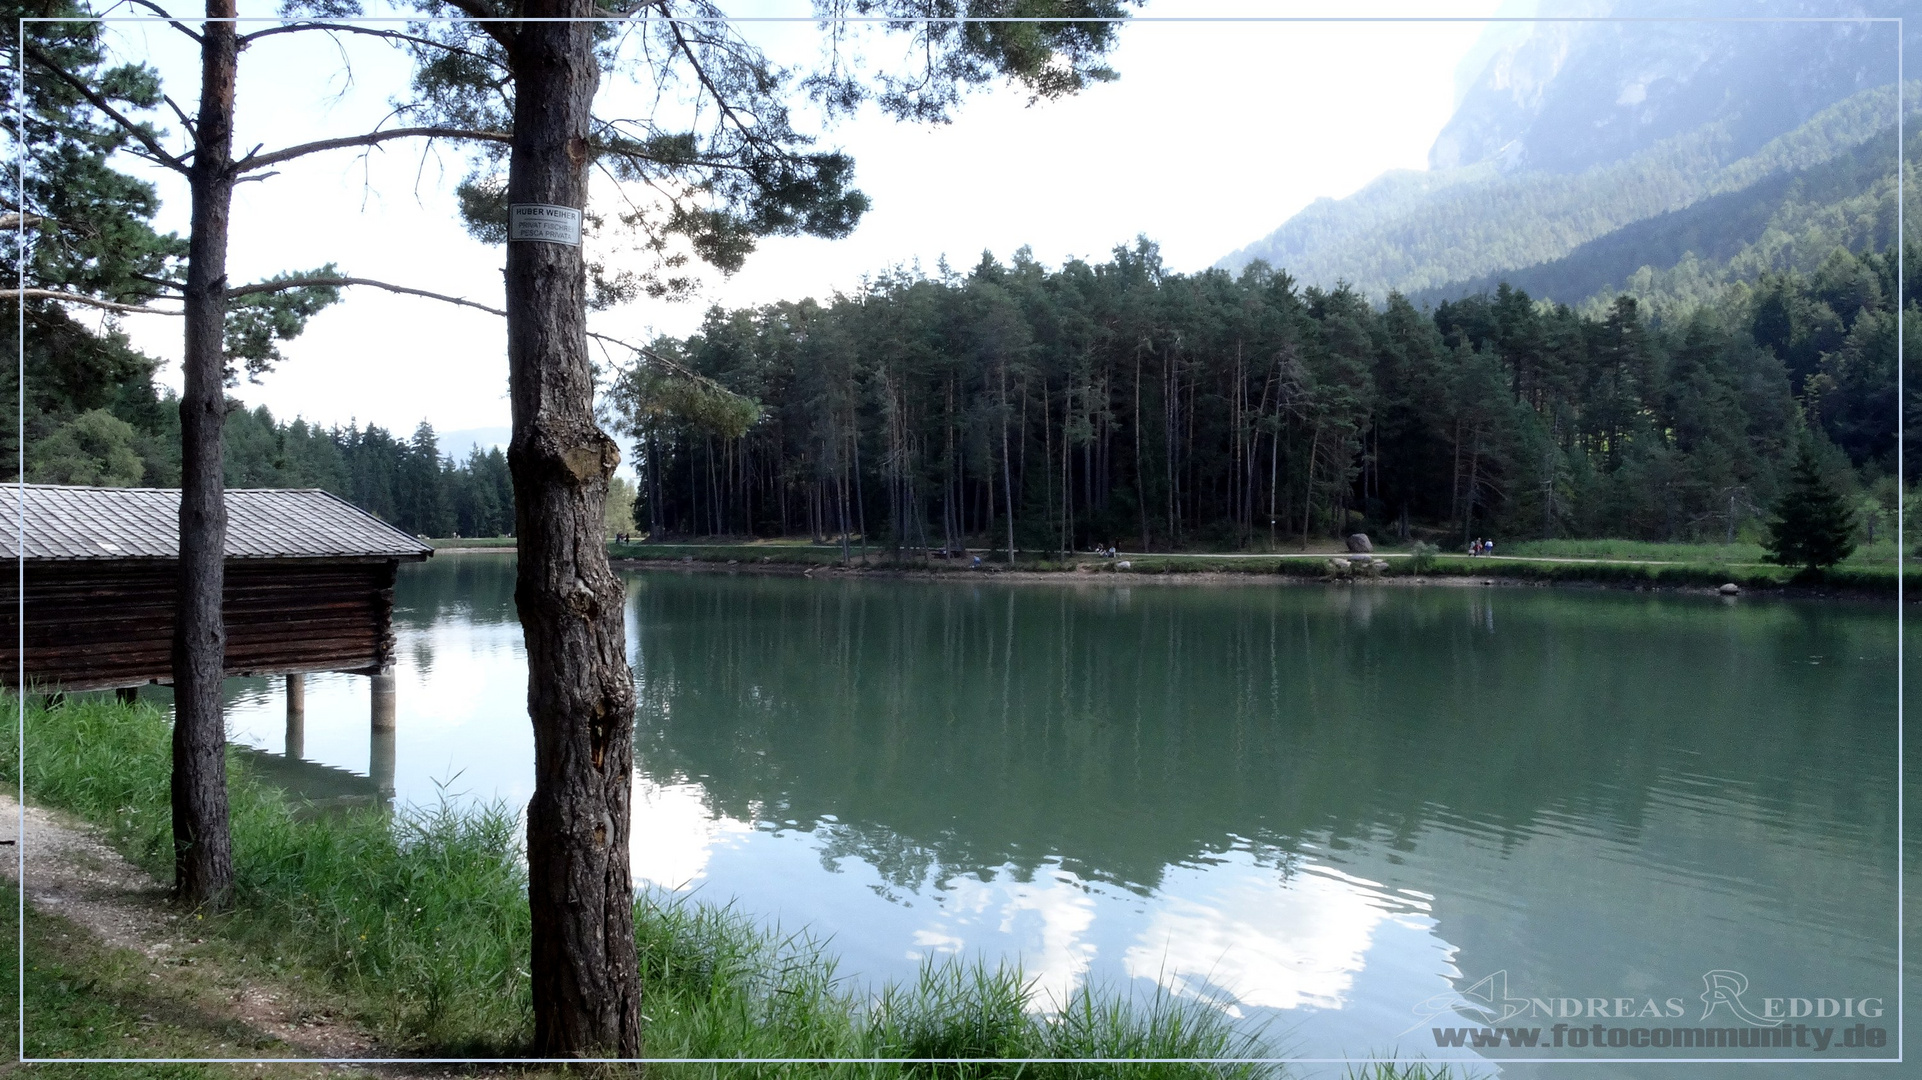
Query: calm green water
point(1353, 813)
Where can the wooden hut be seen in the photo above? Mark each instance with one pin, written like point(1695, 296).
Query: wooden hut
point(309, 585)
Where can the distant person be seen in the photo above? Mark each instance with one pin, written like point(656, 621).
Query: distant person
point(1488, 547)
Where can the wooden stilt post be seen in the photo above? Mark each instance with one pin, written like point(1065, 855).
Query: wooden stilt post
point(296, 716)
point(127, 695)
point(381, 736)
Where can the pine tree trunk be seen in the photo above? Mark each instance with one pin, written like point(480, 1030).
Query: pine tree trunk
point(1141, 476)
point(1308, 484)
point(1007, 471)
point(203, 856)
point(580, 693)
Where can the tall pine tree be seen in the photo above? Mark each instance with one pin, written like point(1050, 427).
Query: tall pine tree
point(1813, 526)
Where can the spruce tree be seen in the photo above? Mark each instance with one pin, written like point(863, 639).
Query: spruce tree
point(1813, 526)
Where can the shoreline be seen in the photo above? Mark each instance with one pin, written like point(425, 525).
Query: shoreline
point(1108, 576)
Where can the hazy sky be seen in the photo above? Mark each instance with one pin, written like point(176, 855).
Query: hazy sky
point(1214, 134)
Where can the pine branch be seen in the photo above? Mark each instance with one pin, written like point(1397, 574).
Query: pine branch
point(745, 130)
point(158, 153)
point(81, 298)
point(367, 31)
point(171, 21)
point(373, 138)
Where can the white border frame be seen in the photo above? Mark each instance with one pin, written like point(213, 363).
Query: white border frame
point(20, 554)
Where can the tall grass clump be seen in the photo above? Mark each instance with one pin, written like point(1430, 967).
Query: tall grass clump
point(972, 1010)
point(418, 920)
point(421, 916)
point(717, 984)
point(956, 1010)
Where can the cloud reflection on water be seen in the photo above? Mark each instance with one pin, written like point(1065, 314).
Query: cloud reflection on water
point(1230, 927)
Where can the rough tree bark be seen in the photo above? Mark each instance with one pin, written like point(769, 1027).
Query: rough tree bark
point(580, 693)
point(203, 857)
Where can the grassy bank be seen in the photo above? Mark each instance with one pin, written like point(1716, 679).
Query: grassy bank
point(443, 543)
point(1855, 581)
point(1612, 563)
point(422, 926)
point(418, 925)
point(1740, 553)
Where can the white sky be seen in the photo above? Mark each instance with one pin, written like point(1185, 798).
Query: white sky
point(1214, 135)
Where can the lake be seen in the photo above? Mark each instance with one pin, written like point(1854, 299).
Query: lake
point(1355, 814)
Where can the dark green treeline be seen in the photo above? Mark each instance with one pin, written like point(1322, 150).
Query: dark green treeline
point(407, 482)
point(1122, 403)
point(132, 437)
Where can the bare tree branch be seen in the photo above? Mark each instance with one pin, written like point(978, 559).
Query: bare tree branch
point(158, 153)
point(720, 100)
point(284, 284)
point(368, 31)
point(79, 298)
point(171, 21)
point(186, 121)
point(372, 138)
point(176, 286)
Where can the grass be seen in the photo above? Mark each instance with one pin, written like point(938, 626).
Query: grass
point(1850, 579)
point(1880, 553)
point(438, 543)
point(786, 552)
point(1390, 1070)
point(85, 999)
point(1619, 563)
point(417, 924)
point(420, 922)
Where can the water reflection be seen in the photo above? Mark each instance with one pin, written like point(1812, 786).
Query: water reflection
point(1326, 805)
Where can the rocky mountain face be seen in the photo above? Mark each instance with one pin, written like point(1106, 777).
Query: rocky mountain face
point(1567, 131)
point(1567, 96)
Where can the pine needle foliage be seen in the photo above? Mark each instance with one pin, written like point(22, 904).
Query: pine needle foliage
point(1813, 526)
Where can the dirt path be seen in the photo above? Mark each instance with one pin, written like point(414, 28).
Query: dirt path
point(72, 873)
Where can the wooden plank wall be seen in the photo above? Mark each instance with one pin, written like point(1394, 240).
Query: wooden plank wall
point(94, 625)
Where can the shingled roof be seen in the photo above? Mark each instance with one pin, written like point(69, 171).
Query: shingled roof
point(68, 523)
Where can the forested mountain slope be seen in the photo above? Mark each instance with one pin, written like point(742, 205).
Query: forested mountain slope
point(1574, 131)
point(1791, 220)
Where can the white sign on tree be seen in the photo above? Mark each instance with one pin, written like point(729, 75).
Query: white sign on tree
point(539, 221)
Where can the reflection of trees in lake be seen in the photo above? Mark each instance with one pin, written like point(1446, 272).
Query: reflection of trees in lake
point(1127, 729)
point(477, 586)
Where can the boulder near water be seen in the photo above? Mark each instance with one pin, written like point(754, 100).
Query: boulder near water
point(1360, 544)
point(1730, 589)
